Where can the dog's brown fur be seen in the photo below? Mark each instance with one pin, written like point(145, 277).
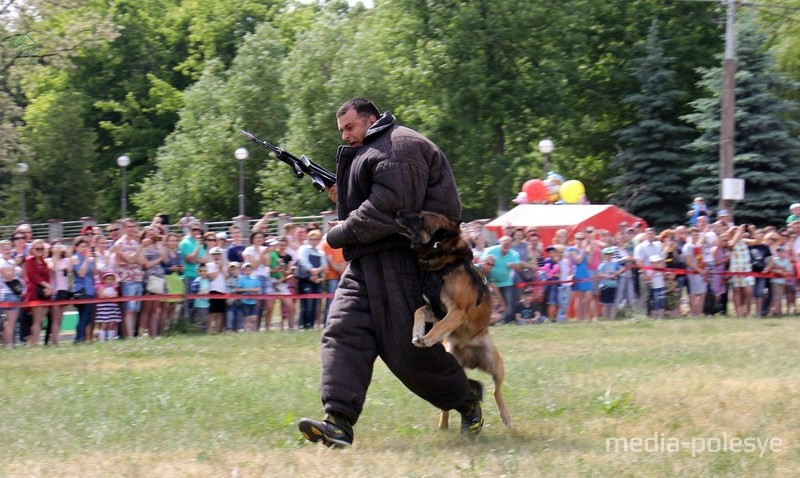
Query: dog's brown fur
point(463, 295)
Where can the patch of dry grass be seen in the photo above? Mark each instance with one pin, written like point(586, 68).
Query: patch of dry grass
point(228, 406)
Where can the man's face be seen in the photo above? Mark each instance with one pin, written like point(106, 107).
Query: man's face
point(354, 127)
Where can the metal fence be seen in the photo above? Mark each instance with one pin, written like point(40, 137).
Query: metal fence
point(57, 229)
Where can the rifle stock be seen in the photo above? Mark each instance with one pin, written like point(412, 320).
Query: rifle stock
point(321, 178)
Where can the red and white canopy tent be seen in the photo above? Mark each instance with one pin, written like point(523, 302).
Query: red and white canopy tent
point(548, 218)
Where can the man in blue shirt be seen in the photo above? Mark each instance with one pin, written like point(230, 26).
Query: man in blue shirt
point(507, 260)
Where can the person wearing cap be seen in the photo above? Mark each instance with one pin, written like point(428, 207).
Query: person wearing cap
point(108, 315)
point(794, 213)
point(552, 270)
point(608, 273)
point(657, 286)
point(217, 274)
point(247, 283)
point(724, 217)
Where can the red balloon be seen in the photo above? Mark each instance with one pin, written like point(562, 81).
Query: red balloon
point(536, 190)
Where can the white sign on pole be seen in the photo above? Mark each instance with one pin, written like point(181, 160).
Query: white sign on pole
point(733, 189)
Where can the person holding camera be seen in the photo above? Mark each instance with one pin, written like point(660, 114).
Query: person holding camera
point(83, 268)
point(37, 276)
point(59, 265)
point(582, 286)
point(12, 289)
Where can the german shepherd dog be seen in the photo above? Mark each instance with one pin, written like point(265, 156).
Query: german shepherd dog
point(459, 302)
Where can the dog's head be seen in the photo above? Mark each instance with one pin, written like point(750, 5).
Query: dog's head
point(427, 230)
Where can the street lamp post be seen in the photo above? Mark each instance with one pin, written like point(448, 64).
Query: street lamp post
point(241, 154)
point(546, 147)
point(123, 162)
point(22, 168)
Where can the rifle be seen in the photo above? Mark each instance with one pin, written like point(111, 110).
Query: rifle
point(320, 177)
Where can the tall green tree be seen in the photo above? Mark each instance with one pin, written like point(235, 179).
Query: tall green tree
point(63, 183)
point(767, 152)
point(651, 181)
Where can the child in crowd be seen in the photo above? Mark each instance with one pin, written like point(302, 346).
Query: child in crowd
point(657, 285)
point(551, 270)
point(526, 311)
point(782, 267)
point(108, 315)
point(233, 312)
point(566, 271)
point(672, 295)
point(247, 283)
point(609, 271)
point(202, 285)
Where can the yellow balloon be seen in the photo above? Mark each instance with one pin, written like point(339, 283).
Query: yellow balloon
point(572, 191)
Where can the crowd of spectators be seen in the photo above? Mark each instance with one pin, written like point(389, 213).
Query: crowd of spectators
point(123, 260)
point(704, 268)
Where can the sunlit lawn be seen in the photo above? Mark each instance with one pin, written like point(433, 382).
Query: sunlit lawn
point(228, 405)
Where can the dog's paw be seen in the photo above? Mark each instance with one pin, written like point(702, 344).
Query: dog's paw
point(420, 341)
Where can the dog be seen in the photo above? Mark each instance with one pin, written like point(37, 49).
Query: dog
point(459, 302)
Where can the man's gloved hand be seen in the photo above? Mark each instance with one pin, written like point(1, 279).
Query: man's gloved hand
point(335, 237)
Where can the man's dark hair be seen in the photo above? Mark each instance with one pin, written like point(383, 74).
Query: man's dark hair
point(364, 107)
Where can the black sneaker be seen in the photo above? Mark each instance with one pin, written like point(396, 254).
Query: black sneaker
point(471, 413)
point(331, 432)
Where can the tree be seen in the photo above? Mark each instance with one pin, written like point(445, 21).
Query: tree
point(62, 152)
point(767, 153)
point(652, 164)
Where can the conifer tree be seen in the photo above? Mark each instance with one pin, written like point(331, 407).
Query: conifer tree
point(651, 181)
point(767, 156)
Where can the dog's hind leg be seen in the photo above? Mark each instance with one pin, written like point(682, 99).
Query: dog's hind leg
point(495, 367)
point(444, 419)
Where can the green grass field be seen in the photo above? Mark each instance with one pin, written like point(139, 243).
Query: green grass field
point(227, 406)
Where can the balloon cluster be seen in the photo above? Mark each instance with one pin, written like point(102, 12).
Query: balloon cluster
point(552, 190)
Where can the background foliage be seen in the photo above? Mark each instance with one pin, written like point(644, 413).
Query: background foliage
point(170, 83)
